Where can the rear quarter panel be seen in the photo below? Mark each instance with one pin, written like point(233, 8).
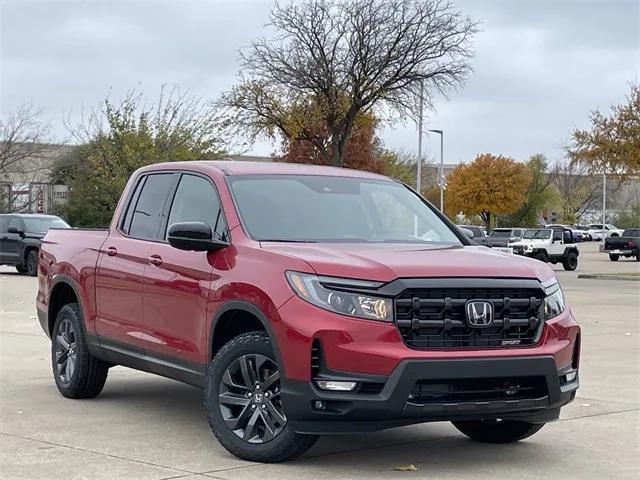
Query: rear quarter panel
point(70, 255)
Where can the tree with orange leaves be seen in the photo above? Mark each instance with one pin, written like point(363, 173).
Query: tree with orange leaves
point(487, 186)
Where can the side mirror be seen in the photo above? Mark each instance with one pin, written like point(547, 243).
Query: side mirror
point(467, 232)
point(15, 230)
point(194, 236)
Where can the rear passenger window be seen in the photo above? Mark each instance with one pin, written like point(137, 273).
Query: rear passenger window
point(4, 223)
point(146, 215)
point(196, 200)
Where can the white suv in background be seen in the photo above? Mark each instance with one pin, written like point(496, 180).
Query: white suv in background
point(595, 230)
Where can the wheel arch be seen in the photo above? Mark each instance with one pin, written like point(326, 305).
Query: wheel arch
point(234, 318)
point(61, 292)
point(574, 249)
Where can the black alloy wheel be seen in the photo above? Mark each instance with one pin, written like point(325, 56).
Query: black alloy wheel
point(65, 351)
point(249, 399)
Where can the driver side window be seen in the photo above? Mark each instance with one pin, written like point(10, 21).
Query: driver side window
point(557, 235)
point(197, 201)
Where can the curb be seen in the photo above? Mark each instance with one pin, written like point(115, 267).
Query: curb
point(604, 276)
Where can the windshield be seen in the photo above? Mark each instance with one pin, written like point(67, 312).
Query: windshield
point(43, 224)
point(309, 208)
point(631, 233)
point(540, 234)
point(501, 233)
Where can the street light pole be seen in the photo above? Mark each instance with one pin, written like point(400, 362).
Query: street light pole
point(441, 169)
point(604, 203)
point(420, 119)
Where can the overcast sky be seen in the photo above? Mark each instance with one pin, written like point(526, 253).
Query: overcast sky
point(540, 65)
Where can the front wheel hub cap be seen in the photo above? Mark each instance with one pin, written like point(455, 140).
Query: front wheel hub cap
point(249, 400)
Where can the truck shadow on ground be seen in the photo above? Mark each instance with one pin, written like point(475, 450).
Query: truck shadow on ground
point(437, 447)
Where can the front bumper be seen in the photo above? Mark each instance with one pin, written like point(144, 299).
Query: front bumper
point(313, 411)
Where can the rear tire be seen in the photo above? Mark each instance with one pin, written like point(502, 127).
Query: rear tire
point(239, 412)
point(613, 257)
point(76, 372)
point(570, 261)
point(493, 431)
point(32, 263)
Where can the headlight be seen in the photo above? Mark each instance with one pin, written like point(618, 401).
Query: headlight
point(554, 303)
point(316, 290)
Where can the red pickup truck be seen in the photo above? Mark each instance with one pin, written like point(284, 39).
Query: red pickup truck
point(307, 300)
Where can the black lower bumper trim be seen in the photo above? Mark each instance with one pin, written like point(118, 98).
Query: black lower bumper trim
point(313, 411)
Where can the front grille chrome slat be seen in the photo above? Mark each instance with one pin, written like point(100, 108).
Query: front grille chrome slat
point(436, 318)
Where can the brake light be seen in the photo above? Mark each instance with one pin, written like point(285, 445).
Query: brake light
point(631, 244)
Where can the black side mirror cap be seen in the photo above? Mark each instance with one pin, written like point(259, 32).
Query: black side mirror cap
point(15, 230)
point(194, 236)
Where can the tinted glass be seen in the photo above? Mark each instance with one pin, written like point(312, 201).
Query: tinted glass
point(501, 233)
point(335, 209)
point(197, 201)
point(557, 234)
point(4, 223)
point(16, 222)
point(146, 217)
point(537, 234)
point(43, 224)
point(126, 223)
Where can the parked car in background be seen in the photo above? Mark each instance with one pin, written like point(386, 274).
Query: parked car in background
point(627, 245)
point(479, 235)
point(578, 235)
point(554, 245)
point(596, 231)
point(354, 308)
point(584, 229)
point(500, 238)
point(20, 239)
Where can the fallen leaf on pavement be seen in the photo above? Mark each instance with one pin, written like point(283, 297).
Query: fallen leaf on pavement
point(406, 468)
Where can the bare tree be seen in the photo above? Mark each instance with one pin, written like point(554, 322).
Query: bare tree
point(580, 191)
point(332, 61)
point(23, 153)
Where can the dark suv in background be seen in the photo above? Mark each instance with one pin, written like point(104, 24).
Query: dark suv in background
point(20, 239)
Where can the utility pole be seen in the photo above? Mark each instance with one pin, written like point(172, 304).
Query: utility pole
point(420, 119)
point(604, 203)
point(441, 168)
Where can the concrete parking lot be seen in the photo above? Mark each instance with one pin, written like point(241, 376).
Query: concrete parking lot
point(146, 427)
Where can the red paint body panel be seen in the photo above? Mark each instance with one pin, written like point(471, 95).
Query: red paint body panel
point(169, 308)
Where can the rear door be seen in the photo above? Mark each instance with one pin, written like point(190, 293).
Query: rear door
point(179, 282)
point(123, 259)
point(4, 223)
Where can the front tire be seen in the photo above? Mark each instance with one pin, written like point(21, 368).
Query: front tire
point(243, 402)
point(494, 431)
point(21, 268)
point(613, 257)
point(76, 372)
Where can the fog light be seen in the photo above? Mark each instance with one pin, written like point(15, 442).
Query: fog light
point(336, 386)
point(319, 405)
point(571, 376)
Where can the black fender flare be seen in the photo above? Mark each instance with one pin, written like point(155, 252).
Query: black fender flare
point(247, 307)
point(574, 249)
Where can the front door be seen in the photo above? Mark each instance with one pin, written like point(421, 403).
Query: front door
point(120, 274)
point(11, 241)
point(179, 282)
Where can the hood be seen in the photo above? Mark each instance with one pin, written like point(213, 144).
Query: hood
point(385, 262)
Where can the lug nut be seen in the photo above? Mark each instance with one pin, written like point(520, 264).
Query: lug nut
point(264, 407)
point(257, 387)
point(253, 406)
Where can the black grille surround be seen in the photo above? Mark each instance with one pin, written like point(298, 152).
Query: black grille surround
point(431, 314)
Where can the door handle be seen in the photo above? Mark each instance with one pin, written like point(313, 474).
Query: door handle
point(112, 251)
point(155, 260)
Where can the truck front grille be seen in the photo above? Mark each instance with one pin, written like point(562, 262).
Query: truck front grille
point(436, 317)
